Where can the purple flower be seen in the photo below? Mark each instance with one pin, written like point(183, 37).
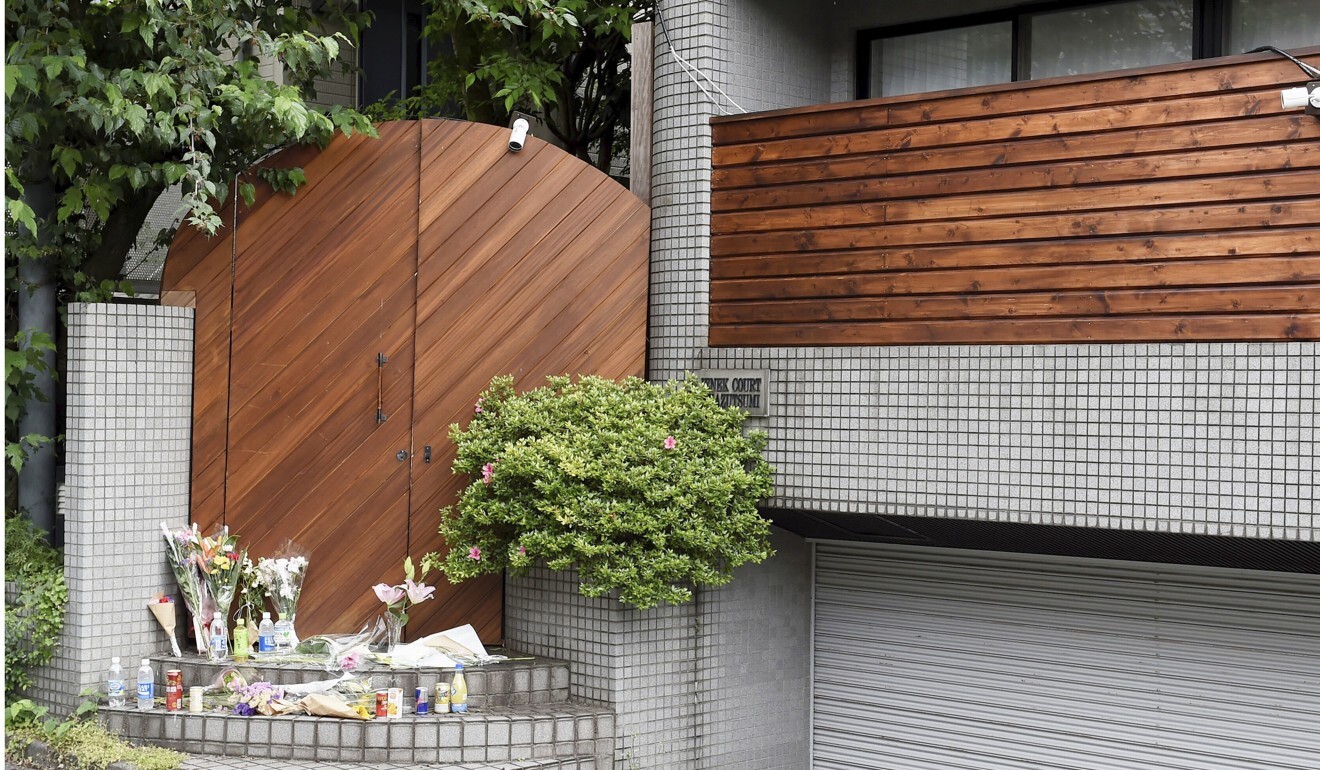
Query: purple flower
point(389, 594)
point(419, 592)
point(244, 710)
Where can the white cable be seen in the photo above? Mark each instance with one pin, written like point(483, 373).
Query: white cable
point(692, 71)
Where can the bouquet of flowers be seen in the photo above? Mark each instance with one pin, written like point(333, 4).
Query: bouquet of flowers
point(397, 599)
point(180, 546)
point(261, 698)
point(220, 562)
point(282, 577)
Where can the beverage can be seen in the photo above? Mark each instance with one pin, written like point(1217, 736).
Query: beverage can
point(173, 690)
point(420, 701)
point(441, 698)
point(382, 704)
point(395, 702)
point(195, 699)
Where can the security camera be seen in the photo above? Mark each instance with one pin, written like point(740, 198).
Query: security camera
point(518, 134)
point(1307, 97)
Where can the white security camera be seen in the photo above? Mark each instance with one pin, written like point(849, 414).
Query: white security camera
point(518, 134)
point(1307, 97)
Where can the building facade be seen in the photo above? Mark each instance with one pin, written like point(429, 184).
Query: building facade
point(1079, 543)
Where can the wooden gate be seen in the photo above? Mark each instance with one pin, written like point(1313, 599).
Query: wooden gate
point(342, 329)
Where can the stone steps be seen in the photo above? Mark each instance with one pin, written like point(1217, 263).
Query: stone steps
point(575, 735)
point(518, 682)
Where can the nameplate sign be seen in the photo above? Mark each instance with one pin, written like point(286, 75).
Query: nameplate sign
point(746, 389)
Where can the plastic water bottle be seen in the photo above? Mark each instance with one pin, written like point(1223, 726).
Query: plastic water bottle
point(219, 639)
point(114, 684)
point(266, 634)
point(458, 691)
point(283, 635)
point(146, 687)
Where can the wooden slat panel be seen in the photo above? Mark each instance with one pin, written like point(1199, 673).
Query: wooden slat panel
point(524, 275)
point(1035, 331)
point(1021, 305)
point(1078, 122)
point(1068, 174)
point(1254, 187)
point(531, 263)
point(1243, 132)
point(1288, 213)
point(1175, 81)
point(1073, 251)
point(1177, 202)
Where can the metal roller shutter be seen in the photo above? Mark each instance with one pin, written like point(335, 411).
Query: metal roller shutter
point(940, 658)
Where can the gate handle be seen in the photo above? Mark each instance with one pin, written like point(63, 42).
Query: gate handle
point(381, 360)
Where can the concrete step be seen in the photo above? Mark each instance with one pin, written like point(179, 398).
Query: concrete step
point(530, 682)
point(567, 732)
point(200, 762)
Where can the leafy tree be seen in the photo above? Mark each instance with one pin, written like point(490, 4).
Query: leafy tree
point(110, 102)
point(566, 61)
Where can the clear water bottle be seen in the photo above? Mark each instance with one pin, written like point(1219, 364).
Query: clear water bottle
point(283, 635)
point(266, 634)
point(114, 684)
point(219, 645)
point(146, 687)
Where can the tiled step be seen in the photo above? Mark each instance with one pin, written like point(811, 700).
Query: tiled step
point(200, 762)
point(531, 682)
point(571, 732)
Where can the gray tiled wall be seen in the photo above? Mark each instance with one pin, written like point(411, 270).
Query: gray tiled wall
point(126, 470)
point(641, 663)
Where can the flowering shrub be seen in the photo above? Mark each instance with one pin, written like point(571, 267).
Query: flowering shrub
point(646, 489)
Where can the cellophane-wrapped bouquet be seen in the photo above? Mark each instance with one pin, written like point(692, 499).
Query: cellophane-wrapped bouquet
point(282, 577)
point(180, 548)
point(220, 563)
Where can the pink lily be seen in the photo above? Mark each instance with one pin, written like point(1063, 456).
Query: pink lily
point(388, 594)
point(419, 592)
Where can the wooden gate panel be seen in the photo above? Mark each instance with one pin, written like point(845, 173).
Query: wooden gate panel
point(456, 259)
point(532, 268)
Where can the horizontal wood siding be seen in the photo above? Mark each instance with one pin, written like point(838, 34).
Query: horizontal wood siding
point(1173, 203)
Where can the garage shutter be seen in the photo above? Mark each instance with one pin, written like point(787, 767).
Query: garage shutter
point(939, 658)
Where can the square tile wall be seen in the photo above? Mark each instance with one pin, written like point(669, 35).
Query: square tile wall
point(127, 449)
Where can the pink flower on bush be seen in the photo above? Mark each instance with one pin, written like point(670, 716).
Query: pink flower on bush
point(671, 442)
point(478, 408)
point(522, 550)
point(388, 594)
point(474, 553)
point(487, 472)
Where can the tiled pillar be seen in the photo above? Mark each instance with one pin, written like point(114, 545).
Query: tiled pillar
point(126, 470)
point(641, 663)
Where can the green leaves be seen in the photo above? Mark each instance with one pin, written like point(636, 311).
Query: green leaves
point(644, 489)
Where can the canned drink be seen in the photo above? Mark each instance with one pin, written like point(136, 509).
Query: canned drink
point(441, 698)
point(420, 701)
point(173, 690)
point(395, 702)
point(382, 704)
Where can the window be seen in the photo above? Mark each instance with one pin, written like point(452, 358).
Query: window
point(1050, 39)
point(975, 55)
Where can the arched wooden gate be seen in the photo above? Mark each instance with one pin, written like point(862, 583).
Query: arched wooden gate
point(342, 329)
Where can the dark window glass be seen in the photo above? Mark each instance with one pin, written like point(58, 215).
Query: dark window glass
point(1113, 36)
point(949, 58)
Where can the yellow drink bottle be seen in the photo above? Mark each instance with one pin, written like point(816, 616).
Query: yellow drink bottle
point(458, 691)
